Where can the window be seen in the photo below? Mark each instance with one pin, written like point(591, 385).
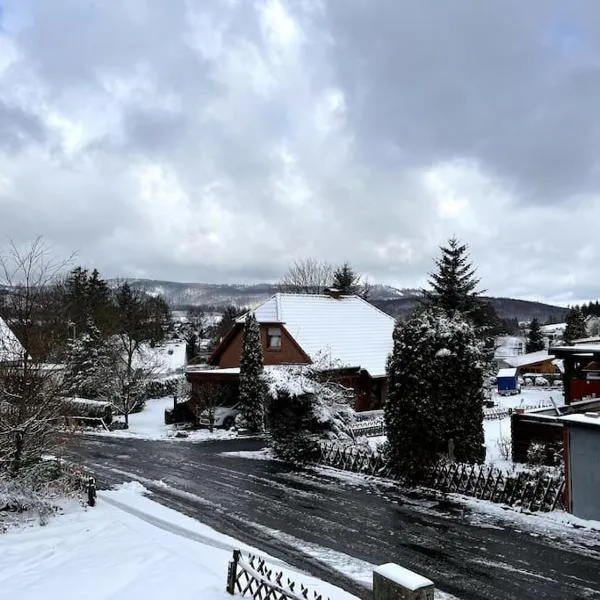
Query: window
point(274, 338)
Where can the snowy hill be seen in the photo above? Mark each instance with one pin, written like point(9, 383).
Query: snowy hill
point(394, 301)
point(221, 294)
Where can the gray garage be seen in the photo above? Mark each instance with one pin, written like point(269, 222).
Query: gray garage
point(583, 464)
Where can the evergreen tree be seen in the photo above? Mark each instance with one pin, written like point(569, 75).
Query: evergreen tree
point(253, 389)
point(453, 285)
point(88, 370)
point(230, 314)
point(191, 346)
point(88, 299)
point(346, 280)
point(575, 328)
point(535, 339)
point(435, 393)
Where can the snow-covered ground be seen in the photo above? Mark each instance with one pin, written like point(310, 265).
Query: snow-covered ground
point(149, 424)
point(126, 547)
point(497, 431)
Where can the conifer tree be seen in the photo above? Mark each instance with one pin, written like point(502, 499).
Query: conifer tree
point(535, 339)
point(349, 282)
point(435, 393)
point(346, 280)
point(88, 371)
point(253, 389)
point(454, 284)
point(575, 328)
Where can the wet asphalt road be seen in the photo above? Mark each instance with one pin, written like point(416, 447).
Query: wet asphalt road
point(470, 554)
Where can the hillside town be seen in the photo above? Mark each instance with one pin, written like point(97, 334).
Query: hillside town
point(299, 301)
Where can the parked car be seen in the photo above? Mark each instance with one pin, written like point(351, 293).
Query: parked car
point(224, 416)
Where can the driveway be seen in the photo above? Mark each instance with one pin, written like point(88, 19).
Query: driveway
point(470, 554)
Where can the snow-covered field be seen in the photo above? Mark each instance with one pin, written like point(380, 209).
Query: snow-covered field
point(126, 547)
point(149, 424)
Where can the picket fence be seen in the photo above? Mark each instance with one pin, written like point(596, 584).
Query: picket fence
point(250, 575)
point(532, 491)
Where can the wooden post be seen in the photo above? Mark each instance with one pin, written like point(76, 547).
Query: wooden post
point(451, 449)
point(393, 582)
point(232, 572)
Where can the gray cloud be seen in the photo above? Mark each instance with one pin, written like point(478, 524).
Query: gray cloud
point(18, 128)
point(221, 140)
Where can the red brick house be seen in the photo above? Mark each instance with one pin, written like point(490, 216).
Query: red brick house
point(343, 335)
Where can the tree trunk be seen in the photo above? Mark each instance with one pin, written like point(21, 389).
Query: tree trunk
point(18, 457)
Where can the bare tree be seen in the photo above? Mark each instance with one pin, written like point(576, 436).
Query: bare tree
point(205, 398)
point(30, 393)
point(307, 276)
point(130, 374)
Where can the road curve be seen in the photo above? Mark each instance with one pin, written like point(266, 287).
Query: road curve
point(469, 554)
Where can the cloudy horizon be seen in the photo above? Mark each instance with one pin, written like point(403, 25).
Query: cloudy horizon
point(221, 140)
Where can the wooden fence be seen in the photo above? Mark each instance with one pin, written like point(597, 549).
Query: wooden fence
point(370, 428)
point(532, 491)
point(250, 575)
point(502, 412)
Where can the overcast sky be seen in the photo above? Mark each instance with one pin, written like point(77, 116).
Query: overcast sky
point(219, 140)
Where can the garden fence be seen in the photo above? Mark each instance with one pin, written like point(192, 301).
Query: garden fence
point(532, 491)
point(249, 575)
point(502, 412)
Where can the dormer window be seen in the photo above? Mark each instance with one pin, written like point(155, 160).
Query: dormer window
point(274, 338)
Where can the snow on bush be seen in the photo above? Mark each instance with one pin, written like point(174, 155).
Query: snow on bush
point(36, 492)
point(90, 409)
point(305, 408)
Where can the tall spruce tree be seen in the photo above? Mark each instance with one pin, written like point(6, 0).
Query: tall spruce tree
point(535, 339)
point(435, 393)
point(253, 388)
point(454, 284)
point(575, 328)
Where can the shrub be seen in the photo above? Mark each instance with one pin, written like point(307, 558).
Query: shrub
point(90, 409)
point(158, 388)
point(545, 454)
point(298, 422)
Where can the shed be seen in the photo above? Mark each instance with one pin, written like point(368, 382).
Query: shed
point(507, 381)
point(582, 448)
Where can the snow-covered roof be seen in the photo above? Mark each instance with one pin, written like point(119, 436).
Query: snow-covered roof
point(553, 327)
point(587, 340)
point(528, 359)
point(203, 370)
point(507, 372)
point(345, 331)
point(11, 349)
point(578, 349)
point(583, 419)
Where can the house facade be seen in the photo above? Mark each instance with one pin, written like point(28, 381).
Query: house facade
point(344, 336)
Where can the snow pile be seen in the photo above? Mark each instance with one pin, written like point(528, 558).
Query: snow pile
point(125, 547)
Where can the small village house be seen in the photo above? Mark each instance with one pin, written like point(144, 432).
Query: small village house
point(540, 363)
point(344, 336)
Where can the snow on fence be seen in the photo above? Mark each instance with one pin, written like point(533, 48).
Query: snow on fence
point(529, 490)
point(369, 428)
point(502, 412)
point(249, 575)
